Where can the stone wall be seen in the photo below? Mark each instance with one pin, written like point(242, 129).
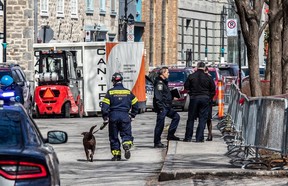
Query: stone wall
point(21, 21)
point(19, 33)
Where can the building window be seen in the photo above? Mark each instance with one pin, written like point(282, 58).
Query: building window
point(74, 9)
point(113, 7)
point(44, 4)
point(89, 6)
point(102, 7)
point(60, 8)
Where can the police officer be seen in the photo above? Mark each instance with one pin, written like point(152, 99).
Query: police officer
point(162, 103)
point(115, 110)
point(201, 88)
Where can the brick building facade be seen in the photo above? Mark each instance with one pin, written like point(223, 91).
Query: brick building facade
point(160, 36)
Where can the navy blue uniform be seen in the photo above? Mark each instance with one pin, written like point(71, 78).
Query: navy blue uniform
point(201, 88)
point(116, 106)
point(162, 103)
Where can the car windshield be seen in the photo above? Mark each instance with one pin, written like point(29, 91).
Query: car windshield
point(213, 75)
point(6, 72)
point(177, 76)
point(10, 129)
point(226, 72)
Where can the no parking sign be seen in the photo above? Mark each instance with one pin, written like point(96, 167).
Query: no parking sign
point(231, 27)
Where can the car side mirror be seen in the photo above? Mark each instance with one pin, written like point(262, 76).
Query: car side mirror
point(57, 137)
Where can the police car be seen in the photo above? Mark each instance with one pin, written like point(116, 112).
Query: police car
point(26, 158)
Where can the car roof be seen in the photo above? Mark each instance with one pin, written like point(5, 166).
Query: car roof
point(175, 69)
point(15, 107)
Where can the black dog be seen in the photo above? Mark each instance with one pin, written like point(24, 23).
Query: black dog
point(89, 143)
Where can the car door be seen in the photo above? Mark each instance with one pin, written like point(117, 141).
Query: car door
point(20, 79)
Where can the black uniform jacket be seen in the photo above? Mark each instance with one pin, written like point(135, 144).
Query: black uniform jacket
point(199, 84)
point(162, 95)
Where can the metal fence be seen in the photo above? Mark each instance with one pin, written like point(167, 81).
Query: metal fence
point(260, 122)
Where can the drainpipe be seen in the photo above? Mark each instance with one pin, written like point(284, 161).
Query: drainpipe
point(193, 41)
point(199, 40)
point(151, 40)
point(35, 20)
point(182, 40)
point(163, 32)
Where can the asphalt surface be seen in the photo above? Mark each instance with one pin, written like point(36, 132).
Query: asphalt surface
point(182, 163)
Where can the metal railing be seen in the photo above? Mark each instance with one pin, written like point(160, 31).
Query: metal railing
point(259, 123)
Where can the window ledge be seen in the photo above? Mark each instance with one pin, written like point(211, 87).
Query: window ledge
point(60, 15)
point(113, 14)
point(73, 16)
point(102, 12)
point(44, 14)
point(89, 11)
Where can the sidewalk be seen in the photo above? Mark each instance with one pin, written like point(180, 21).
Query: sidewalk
point(193, 160)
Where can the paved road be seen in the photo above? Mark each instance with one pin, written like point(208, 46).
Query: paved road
point(144, 164)
point(142, 169)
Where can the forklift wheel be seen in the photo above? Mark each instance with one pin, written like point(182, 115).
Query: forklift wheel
point(66, 110)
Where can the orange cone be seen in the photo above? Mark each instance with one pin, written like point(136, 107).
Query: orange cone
point(220, 100)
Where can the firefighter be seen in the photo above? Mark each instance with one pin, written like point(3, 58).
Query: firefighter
point(7, 83)
point(115, 111)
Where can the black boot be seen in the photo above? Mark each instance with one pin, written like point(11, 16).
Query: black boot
point(116, 158)
point(173, 137)
point(127, 154)
point(159, 145)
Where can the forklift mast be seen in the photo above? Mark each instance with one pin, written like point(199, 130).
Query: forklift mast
point(55, 67)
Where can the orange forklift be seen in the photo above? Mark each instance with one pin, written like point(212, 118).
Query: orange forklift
point(57, 80)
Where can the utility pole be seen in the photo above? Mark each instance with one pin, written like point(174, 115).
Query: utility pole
point(125, 20)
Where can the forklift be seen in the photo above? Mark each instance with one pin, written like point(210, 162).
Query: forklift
point(57, 84)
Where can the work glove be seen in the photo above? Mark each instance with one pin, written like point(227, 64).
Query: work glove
point(105, 122)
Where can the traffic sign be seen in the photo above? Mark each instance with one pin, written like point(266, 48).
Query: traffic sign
point(130, 33)
point(231, 27)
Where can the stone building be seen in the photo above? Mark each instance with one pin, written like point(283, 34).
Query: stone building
point(33, 21)
point(19, 32)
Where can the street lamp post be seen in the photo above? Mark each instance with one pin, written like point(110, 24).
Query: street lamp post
point(4, 44)
point(223, 13)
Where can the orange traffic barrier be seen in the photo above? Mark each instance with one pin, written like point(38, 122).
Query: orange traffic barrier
point(220, 100)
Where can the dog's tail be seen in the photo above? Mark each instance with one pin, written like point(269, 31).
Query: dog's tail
point(92, 128)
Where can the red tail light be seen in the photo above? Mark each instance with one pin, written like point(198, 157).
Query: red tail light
point(15, 170)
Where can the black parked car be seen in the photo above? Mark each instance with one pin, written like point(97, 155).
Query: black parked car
point(26, 158)
point(19, 77)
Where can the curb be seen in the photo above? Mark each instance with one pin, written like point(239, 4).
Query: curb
point(169, 172)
